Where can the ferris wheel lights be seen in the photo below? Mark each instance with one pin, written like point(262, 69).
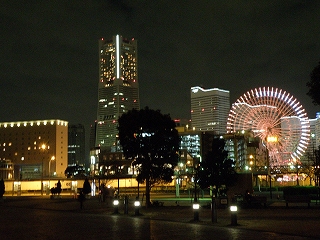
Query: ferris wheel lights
point(271, 108)
point(299, 148)
point(289, 101)
point(295, 104)
point(300, 111)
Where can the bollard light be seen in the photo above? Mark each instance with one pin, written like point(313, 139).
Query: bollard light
point(233, 210)
point(136, 203)
point(116, 205)
point(196, 207)
point(136, 207)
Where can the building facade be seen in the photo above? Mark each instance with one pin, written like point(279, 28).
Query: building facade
point(37, 149)
point(210, 109)
point(118, 88)
point(76, 145)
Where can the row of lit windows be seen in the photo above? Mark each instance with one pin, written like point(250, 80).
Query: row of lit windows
point(33, 123)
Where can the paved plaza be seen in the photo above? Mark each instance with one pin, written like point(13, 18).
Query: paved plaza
point(38, 217)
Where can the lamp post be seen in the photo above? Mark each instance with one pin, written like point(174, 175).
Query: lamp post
point(251, 168)
point(52, 159)
point(43, 147)
point(269, 140)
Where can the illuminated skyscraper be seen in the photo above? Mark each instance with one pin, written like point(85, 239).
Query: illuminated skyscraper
point(118, 87)
point(210, 109)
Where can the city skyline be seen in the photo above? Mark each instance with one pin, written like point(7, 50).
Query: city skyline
point(49, 62)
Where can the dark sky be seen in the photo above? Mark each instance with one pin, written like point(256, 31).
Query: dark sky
point(49, 52)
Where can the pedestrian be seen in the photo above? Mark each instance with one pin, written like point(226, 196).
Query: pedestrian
point(81, 199)
point(58, 188)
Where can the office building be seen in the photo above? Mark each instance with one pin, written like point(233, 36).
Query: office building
point(118, 88)
point(37, 149)
point(92, 135)
point(210, 109)
point(309, 157)
point(76, 145)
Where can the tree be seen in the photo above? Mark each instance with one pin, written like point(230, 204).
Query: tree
point(316, 167)
point(216, 171)
point(2, 188)
point(150, 140)
point(75, 171)
point(86, 187)
point(314, 85)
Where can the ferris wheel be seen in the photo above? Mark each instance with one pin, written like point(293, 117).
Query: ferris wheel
point(277, 118)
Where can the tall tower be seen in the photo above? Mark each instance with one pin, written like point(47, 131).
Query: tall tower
point(118, 87)
point(210, 109)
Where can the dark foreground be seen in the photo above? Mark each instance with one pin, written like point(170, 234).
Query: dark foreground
point(44, 218)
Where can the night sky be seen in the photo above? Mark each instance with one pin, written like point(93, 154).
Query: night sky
point(49, 52)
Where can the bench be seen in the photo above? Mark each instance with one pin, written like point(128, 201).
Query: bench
point(297, 199)
point(157, 203)
point(253, 200)
point(259, 200)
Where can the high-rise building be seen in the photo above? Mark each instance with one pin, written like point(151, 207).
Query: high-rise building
point(118, 87)
point(76, 145)
point(92, 135)
point(209, 109)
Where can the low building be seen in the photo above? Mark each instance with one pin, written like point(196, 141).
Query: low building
point(37, 149)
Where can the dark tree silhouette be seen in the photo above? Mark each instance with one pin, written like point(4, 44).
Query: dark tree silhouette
point(86, 187)
point(216, 171)
point(150, 140)
point(314, 85)
point(316, 167)
point(2, 188)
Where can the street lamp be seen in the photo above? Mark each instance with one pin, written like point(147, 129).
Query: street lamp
point(270, 139)
point(52, 159)
point(43, 147)
point(251, 167)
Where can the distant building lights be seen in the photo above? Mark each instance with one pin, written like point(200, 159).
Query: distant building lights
point(272, 139)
